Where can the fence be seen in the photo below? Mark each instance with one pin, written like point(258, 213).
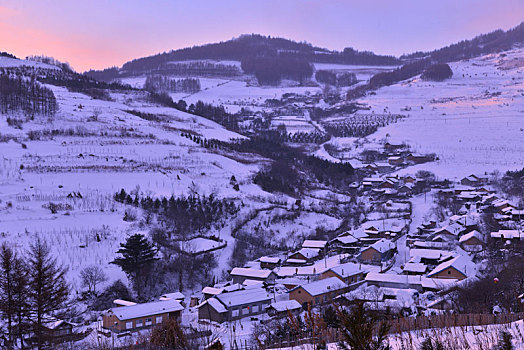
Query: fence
point(450, 320)
point(406, 324)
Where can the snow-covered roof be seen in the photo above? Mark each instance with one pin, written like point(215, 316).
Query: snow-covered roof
point(415, 267)
point(249, 272)
point(269, 259)
point(432, 254)
point(54, 324)
point(212, 290)
point(346, 239)
point(392, 278)
point(310, 243)
point(507, 234)
point(146, 309)
point(382, 246)
point(251, 283)
point(309, 252)
point(347, 269)
point(242, 297)
point(323, 286)
point(122, 302)
point(472, 234)
point(176, 296)
point(215, 304)
point(460, 263)
point(454, 229)
point(285, 305)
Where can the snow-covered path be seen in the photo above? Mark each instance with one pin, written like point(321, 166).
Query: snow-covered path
point(420, 204)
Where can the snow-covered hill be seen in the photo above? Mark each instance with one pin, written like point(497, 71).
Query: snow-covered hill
point(474, 121)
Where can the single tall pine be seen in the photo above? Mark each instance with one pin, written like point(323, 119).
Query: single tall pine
point(7, 300)
point(138, 255)
point(48, 289)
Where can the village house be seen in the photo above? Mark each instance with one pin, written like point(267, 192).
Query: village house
point(232, 306)
point(348, 273)
point(412, 268)
point(449, 232)
point(240, 274)
point(378, 251)
point(383, 167)
point(395, 161)
point(319, 292)
point(345, 244)
point(474, 180)
point(371, 182)
point(209, 292)
point(269, 262)
point(174, 296)
point(429, 256)
point(419, 283)
point(58, 330)
point(472, 241)
point(305, 254)
point(456, 268)
point(414, 158)
point(280, 309)
point(507, 235)
point(139, 316)
point(315, 244)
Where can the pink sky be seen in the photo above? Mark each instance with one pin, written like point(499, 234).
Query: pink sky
point(102, 33)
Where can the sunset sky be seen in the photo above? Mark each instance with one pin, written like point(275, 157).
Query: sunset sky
point(102, 33)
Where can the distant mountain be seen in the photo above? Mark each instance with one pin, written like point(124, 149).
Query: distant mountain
point(242, 47)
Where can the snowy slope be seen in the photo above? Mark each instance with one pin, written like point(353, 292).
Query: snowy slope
point(474, 121)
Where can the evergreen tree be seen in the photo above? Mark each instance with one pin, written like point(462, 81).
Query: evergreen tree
point(48, 290)
point(7, 299)
point(358, 327)
point(138, 255)
point(505, 342)
point(21, 299)
point(429, 344)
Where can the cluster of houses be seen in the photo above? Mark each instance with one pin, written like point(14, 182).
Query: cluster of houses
point(356, 266)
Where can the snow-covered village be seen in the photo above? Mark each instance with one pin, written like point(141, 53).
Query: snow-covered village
point(261, 192)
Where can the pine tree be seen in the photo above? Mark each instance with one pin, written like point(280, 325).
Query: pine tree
point(358, 329)
point(138, 254)
point(7, 302)
point(429, 344)
point(505, 342)
point(48, 289)
point(21, 298)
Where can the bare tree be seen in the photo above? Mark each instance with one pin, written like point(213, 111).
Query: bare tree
point(91, 277)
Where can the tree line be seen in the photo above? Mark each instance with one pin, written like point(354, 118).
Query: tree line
point(183, 215)
point(495, 41)
point(335, 79)
point(27, 96)
point(270, 70)
point(33, 291)
point(166, 84)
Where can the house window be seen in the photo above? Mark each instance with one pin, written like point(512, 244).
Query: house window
point(317, 300)
point(325, 298)
point(255, 308)
point(245, 310)
point(159, 319)
point(234, 313)
point(449, 272)
point(149, 321)
point(139, 323)
point(129, 325)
